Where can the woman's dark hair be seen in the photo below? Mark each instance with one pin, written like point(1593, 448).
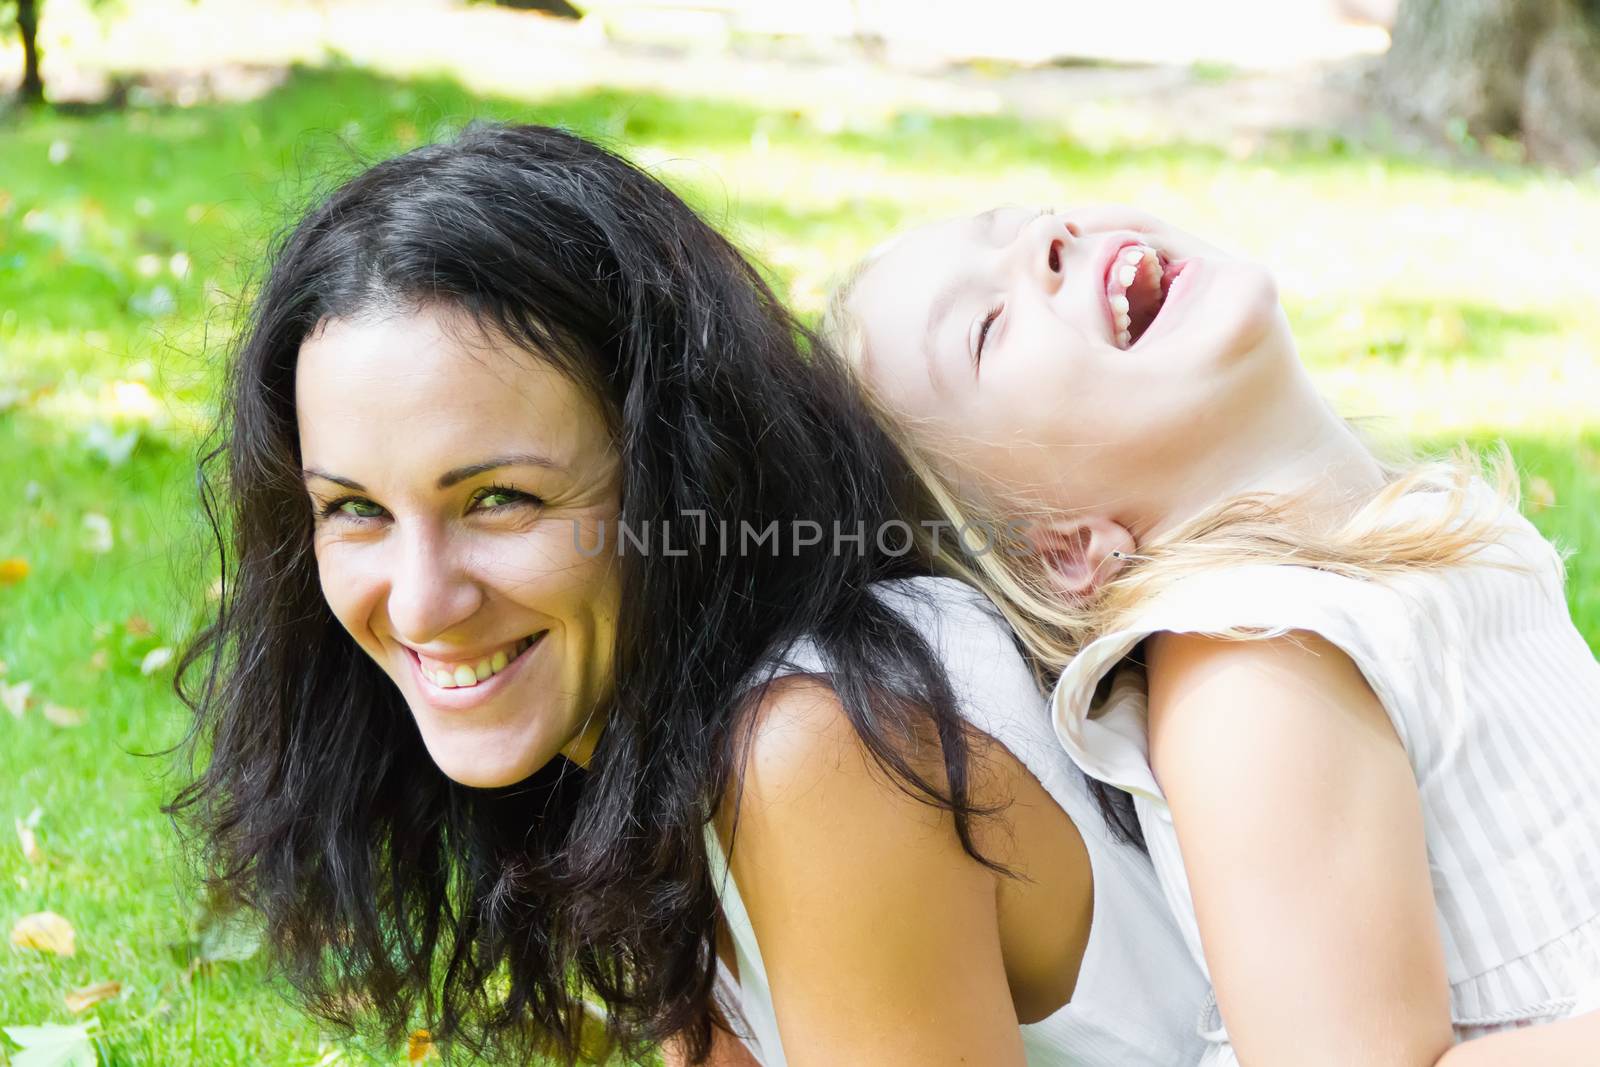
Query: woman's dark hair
point(394, 895)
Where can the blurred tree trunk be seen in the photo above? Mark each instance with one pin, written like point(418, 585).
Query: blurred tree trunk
point(1527, 69)
point(558, 8)
point(32, 90)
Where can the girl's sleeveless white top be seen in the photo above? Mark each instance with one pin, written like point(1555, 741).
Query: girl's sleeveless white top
point(1138, 997)
point(1496, 699)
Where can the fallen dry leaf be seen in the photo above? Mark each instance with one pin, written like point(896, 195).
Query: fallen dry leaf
point(30, 844)
point(63, 716)
point(45, 931)
point(16, 697)
point(419, 1047)
point(81, 1000)
point(13, 570)
point(138, 626)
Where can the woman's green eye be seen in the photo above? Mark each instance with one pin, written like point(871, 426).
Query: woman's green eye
point(489, 498)
point(509, 495)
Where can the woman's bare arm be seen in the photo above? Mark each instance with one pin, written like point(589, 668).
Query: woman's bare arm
point(878, 932)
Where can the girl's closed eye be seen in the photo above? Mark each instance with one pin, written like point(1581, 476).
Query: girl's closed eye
point(336, 509)
point(987, 322)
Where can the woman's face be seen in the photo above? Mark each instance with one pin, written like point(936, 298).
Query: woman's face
point(998, 339)
point(467, 486)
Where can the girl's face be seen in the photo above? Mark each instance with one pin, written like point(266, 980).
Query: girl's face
point(998, 340)
point(462, 487)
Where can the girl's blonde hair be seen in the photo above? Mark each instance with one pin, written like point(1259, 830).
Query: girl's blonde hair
point(1255, 528)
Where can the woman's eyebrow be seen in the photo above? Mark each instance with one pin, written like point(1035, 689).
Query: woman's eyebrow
point(451, 477)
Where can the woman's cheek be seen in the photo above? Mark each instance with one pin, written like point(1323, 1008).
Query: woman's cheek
point(349, 590)
point(562, 559)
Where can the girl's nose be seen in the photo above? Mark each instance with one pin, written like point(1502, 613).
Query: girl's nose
point(1042, 247)
point(431, 593)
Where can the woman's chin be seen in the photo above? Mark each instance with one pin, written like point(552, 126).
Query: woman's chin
point(487, 762)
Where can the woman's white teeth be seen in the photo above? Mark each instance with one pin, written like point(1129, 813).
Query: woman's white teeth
point(464, 676)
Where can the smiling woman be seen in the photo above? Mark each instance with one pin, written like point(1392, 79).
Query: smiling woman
point(461, 759)
point(471, 589)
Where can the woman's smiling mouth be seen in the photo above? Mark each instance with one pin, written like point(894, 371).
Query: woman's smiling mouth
point(463, 684)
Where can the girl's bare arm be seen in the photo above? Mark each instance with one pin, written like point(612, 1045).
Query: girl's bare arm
point(1301, 829)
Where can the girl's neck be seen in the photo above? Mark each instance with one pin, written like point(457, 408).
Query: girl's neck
point(1296, 446)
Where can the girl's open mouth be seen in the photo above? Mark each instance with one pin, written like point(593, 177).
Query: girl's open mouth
point(1138, 279)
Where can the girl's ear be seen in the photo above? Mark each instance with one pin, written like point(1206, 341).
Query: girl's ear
point(1076, 552)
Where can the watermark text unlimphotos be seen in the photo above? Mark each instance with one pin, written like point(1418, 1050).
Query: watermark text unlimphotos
point(793, 537)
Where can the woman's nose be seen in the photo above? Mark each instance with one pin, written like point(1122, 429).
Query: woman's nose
point(1042, 247)
point(431, 590)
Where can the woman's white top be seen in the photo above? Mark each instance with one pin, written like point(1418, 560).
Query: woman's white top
point(1496, 699)
point(1138, 997)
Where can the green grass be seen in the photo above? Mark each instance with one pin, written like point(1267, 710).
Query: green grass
point(1453, 305)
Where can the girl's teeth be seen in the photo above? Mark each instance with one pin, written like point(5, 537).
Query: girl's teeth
point(1130, 263)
